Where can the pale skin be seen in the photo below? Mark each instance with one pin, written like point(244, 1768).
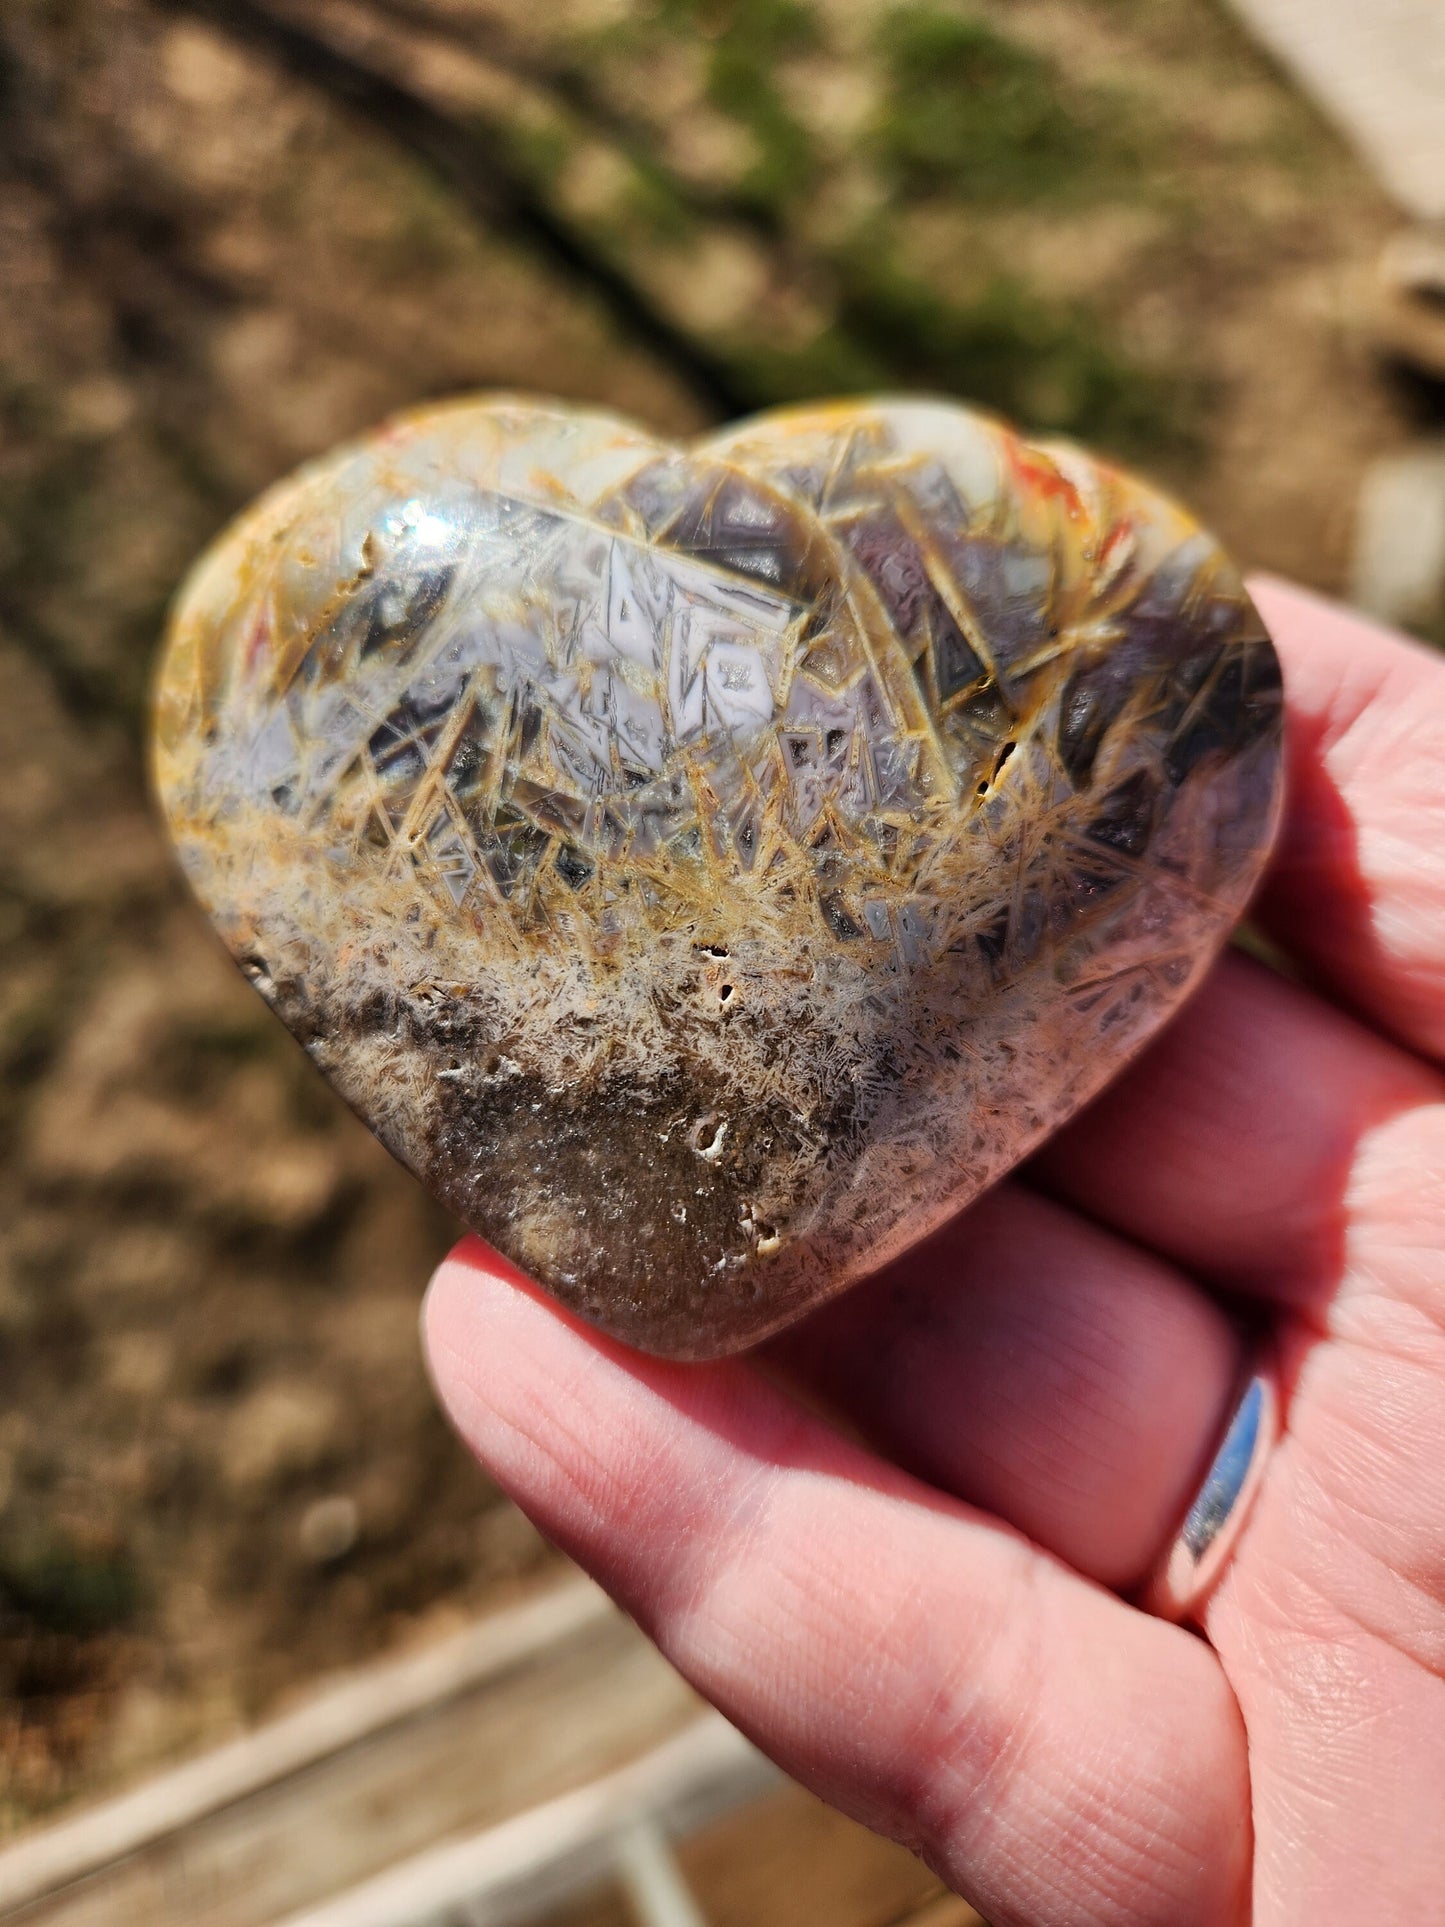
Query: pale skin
point(901, 1546)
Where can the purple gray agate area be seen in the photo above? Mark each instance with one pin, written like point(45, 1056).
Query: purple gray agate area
point(708, 867)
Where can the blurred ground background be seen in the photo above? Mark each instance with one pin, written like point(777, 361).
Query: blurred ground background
point(233, 231)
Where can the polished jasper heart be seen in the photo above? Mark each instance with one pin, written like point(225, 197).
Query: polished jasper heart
point(708, 868)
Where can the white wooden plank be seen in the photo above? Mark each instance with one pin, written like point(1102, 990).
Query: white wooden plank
point(514, 1873)
point(1398, 571)
point(1377, 67)
point(652, 1879)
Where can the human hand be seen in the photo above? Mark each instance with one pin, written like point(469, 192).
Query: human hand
point(925, 1617)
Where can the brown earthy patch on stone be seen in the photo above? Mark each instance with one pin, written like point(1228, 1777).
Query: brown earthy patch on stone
point(708, 868)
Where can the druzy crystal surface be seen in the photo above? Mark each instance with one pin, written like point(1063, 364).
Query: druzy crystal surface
point(707, 868)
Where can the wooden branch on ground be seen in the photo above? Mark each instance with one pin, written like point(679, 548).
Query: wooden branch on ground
point(497, 1777)
point(525, 1705)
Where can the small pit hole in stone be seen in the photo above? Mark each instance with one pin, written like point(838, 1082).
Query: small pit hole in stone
point(707, 1137)
point(258, 974)
point(724, 993)
point(1005, 751)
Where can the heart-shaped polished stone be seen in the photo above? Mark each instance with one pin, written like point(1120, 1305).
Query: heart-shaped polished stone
point(708, 868)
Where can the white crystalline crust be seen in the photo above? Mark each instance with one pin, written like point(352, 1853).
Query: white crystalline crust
point(708, 869)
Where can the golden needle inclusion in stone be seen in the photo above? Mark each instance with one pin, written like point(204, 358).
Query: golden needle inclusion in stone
point(707, 868)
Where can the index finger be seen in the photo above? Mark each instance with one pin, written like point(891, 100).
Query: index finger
point(1055, 1754)
point(1356, 890)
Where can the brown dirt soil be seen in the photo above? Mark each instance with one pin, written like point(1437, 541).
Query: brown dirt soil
point(229, 235)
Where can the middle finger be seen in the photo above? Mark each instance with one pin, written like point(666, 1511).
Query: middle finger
point(1035, 1365)
point(1230, 1145)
